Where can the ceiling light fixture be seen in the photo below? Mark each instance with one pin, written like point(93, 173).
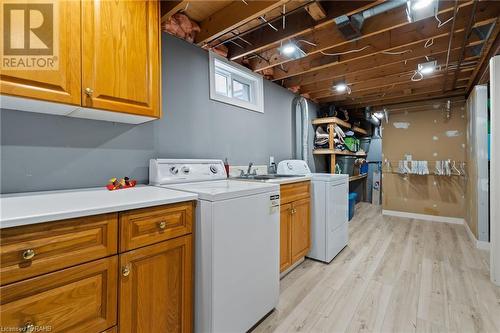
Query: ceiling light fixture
point(291, 50)
point(379, 114)
point(341, 87)
point(427, 67)
point(417, 10)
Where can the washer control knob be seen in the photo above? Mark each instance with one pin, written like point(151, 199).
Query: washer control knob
point(185, 170)
point(213, 169)
point(289, 166)
point(174, 170)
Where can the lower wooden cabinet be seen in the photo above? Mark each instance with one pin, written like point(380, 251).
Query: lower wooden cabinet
point(300, 229)
point(77, 299)
point(285, 236)
point(156, 287)
point(146, 289)
point(295, 225)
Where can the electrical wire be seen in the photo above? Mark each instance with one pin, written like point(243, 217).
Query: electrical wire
point(346, 52)
point(440, 24)
point(414, 77)
point(396, 52)
point(307, 42)
point(429, 43)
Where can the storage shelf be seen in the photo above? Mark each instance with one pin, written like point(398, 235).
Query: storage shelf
point(340, 122)
point(335, 152)
point(353, 178)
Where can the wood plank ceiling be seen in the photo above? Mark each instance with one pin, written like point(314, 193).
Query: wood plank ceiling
point(377, 65)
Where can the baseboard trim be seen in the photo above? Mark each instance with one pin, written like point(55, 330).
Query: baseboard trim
point(482, 245)
point(433, 218)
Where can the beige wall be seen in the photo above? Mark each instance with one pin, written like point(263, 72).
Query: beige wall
point(425, 138)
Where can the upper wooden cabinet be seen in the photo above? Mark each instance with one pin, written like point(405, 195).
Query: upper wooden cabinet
point(121, 64)
point(108, 60)
point(62, 84)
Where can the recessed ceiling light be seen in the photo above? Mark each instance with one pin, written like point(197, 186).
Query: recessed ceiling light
point(341, 87)
point(288, 49)
point(421, 9)
point(427, 67)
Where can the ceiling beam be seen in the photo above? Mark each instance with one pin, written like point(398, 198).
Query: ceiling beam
point(402, 39)
point(464, 43)
point(388, 89)
point(400, 97)
point(364, 87)
point(330, 36)
point(491, 49)
point(169, 8)
point(378, 60)
point(379, 72)
point(297, 23)
point(232, 16)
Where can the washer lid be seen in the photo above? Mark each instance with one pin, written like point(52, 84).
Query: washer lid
point(293, 167)
point(224, 189)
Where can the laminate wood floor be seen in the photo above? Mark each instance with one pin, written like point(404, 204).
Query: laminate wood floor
point(396, 275)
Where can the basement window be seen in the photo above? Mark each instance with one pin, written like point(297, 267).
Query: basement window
point(234, 84)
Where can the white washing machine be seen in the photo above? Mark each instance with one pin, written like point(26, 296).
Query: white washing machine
point(237, 243)
point(329, 213)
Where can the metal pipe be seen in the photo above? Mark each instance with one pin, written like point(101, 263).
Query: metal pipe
point(383, 7)
point(455, 10)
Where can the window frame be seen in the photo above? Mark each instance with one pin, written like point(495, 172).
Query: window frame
point(241, 74)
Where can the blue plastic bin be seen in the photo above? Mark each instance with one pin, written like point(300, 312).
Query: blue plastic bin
point(352, 202)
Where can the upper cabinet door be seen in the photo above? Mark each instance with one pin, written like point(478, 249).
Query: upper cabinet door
point(121, 56)
point(45, 60)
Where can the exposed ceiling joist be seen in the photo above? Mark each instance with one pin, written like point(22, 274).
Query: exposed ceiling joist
point(378, 73)
point(400, 97)
point(369, 63)
point(316, 11)
point(364, 87)
point(327, 37)
point(491, 49)
point(402, 39)
point(297, 23)
point(233, 16)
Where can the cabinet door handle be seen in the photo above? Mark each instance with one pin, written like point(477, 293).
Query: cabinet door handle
point(294, 211)
point(28, 327)
point(162, 225)
point(89, 92)
point(28, 254)
point(125, 271)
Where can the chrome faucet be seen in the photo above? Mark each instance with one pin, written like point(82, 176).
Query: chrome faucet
point(249, 171)
point(250, 168)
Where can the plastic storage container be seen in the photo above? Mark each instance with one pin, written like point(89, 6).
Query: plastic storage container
point(346, 164)
point(352, 202)
point(364, 143)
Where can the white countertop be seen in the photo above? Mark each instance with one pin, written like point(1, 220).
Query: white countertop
point(37, 207)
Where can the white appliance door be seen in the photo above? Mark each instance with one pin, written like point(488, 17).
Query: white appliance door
point(336, 218)
point(245, 271)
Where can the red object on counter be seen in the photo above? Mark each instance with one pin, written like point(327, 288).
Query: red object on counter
point(124, 183)
point(226, 166)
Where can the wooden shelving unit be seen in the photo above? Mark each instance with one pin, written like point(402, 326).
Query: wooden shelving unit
point(340, 122)
point(354, 178)
point(331, 122)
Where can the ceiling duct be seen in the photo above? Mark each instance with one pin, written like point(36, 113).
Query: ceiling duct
point(350, 27)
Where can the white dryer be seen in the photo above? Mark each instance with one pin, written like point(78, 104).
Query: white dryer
point(237, 243)
point(329, 213)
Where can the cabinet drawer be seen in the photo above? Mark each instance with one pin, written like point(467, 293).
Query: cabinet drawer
point(42, 248)
point(294, 191)
point(78, 299)
point(147, 226)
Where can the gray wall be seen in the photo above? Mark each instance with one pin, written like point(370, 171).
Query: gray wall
point(43, 152)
